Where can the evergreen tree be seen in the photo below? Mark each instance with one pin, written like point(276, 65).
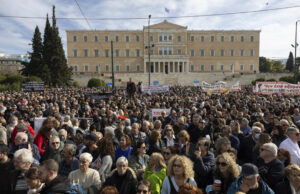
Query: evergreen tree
point(47, 52)
point(290, 63)
point(264, 64)
point(33, 67)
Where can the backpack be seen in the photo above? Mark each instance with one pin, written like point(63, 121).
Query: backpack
point(73, 189)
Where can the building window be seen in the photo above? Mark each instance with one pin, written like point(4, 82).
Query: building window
point(222, 67)
point(222, 52)
point(106, 38)
point(127, 53)
point(74, 38)
point(179, 52)
point(212, 38)
point(117, 53)
point(212, 67)
point(222, 38)
point(251, 52)
point(138, 38)
point(242, 38)
point(251, 67)
point(242, 52)
point(75, 68)
point(212, 52)
point(202, 38)
point(170, 38)
point(151, 38)
point(106, 68)
point(117, 38)
point(242, 67)
point(96, 38)
point(160, 51)
point(75, 53)
point(231, 67)
point(202, 53)
point(232, 38)
point(97, 68)
point(160, 38)
point(192, 68)
point(165, 37)
point(165, 51)
point(179, 38)
point(137, 68)
point(85, 38)
point(106, 53)
point(252, 38)
point(202, 67)
point(127, 38)
point(192, 53)
point(128, 68)
point(137, 52)
point(117, 68)
point(96, 52)
point(192, 38)
point(86, 68)
point(231, 52)
point(86, 53)
point(151, 52)
point(170, 51)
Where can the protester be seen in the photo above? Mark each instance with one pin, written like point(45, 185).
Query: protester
point(291, 184)
point(291, 144)
point(33, 181)
point(144, 187)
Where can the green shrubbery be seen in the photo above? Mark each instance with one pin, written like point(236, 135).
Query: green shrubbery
point(95, 82)
point(13, 82)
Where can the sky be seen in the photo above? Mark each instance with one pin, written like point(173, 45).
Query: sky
point(277, 27)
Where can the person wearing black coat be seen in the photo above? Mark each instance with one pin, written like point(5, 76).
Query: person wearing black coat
point(246, 149)
point(292, 181)
point(155, 142)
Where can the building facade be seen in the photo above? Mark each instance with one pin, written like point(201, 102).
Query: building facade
point(10, 65)
point(173, 49)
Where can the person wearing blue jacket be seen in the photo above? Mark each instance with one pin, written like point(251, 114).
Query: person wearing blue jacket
point(249, 182)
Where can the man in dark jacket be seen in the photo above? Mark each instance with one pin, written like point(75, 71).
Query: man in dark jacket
point(270, 168)
point(131, 88)
point(48, 175)
point(6, 165)
point(250, 182)
point(203, 163)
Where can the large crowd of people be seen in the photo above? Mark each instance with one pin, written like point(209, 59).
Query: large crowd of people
point(93, 143)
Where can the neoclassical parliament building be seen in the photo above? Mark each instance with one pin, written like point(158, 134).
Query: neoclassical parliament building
point(174, 49)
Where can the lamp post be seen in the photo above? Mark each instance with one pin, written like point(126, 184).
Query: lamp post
point(149, 67)
point(295, 62)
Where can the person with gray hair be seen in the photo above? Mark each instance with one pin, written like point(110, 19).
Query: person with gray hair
point(291, 144)
point(23, 159)
point(87, 177)
point(69, 162)
point(271, 169)
point(123, 177)
point(245, 128)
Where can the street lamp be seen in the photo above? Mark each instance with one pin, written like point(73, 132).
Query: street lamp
point(149, 48)
point(295, 46)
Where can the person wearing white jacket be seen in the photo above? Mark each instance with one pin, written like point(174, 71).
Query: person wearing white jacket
point(291, 144)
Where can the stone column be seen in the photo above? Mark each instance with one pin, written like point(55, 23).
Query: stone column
point(173, 67)
point(178, 66)
point(164, 67)
point(153, 67)
point(145, 67)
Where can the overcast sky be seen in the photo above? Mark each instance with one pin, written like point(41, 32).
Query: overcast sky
point(277, 27)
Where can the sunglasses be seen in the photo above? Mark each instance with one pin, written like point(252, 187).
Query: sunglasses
point(142, 191)
point(55, 143)
point(177, 166)
point(166, 153)
point(222, 164)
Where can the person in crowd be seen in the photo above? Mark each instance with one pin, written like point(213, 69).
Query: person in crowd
point(123, 177)
point(245, 128)
point(193, 129)
point(120, 130)
point(284, 125)
point(48, 174)
point(278, 135)
point(43, 137)
point(90, 141)
point(136, 134)
point(53, 151)
point(186, 147)
point(188, 188)
point(139, 159)
point(203, 163)
point(3, 132)
point(69, 162)
point(226, 132)
point(271, 169)
point(284, 156)
point(23, 160)
point(180, 125)
point(250, 182)
point(21, 123)
point(226, 171)
point(169, 138)
point(263, 138)
point(291, 144)
point(131, 88)
point(108, 190)
point(236, 130)
point(6, 165)
point(155, 143)
point(168, 152)
point(124, 148)
point(87, 177)
point(179, 171)
point(155, 172)
point(33, 181)
point(144, 187)
point(291, 183)
point(222, 144)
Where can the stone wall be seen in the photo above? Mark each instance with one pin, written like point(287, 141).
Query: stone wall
point(180, 79)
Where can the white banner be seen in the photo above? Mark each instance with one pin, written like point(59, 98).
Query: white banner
point(221, 85)
point(277, 87)
point(157, 112)
point(155, 88)
point(38, 123)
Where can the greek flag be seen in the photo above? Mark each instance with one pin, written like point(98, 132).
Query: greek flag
point(167, 10)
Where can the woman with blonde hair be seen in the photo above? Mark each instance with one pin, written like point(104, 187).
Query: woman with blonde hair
point(155, 143)
point(169, 137)
point(223, 144)
point(186, 147)
point(292, 182)
point(179, 171)
point(226, 171)
point(155, 172)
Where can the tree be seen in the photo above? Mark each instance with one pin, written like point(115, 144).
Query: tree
point(277, 66)
point(290, 63)
point(33, 67)
point(289, 79)
point(47, 52)
point(264, 64)
point(95, 82)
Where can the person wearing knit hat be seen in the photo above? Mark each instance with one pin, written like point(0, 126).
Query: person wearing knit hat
point(270, 168)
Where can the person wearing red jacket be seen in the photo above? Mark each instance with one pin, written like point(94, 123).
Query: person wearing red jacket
point(21, 128)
